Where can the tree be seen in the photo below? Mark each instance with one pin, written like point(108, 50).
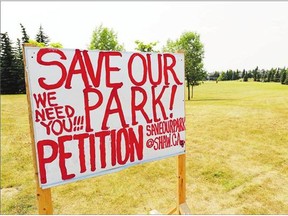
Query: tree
point(286, 79)
point(222, 77)
point(19, 60)
point(171, 46)
point(255, 72)
point(283, 76)
point(56, 45)
point(19, 64)
point(277, 75)
point(229, 74)
point(12, 66)
point(190, 44)
point(243, 73)
point(41, 37)
point(25, 37)
point(245, 77)
point(104, 38)
point(145, 47)
point(36, 43)
point(214, 76)
point(7, 66)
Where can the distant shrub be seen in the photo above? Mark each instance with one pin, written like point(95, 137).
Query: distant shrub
point(283, 77)
point(245, 78)
point(286, 79)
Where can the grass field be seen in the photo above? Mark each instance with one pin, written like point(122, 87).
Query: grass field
point(237, 160)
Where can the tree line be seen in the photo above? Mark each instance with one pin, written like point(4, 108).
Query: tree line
point(11, 59)
point(258, 75)
point(103, 38)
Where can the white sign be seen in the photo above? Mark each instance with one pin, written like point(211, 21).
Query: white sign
point(96, 112)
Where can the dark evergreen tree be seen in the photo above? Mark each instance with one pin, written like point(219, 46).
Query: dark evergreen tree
point(283, 76)
point(255, 73)
point(263, 75)
point(245, 78)
point(243, 73)
point(20, 68)
point(19, 60)
point(237, 74)
point(25, 37)
point(229, 75)
point(286, 79)
point(258, 76)
point(250, 74)
point(7, 66)
point(41, 37)
point(277, 75)
point(269, 75)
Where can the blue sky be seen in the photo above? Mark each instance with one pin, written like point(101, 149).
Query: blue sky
point(236, 35)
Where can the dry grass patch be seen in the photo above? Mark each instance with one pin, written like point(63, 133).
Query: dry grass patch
point(237, 160)
point(238, 134)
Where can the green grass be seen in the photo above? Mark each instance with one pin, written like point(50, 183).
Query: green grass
point(238, 142)
point(237, 160)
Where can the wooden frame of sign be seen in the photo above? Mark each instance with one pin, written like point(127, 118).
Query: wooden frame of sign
point(181, 207)
point(44, 198)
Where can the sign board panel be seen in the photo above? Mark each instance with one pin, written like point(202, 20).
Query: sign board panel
point(96, 112)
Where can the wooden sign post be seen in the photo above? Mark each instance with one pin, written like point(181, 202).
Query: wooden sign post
point(181, 205)
point(44, 199)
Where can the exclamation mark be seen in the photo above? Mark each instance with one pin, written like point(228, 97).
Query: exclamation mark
point(74, 122)
point(82, 122)
point(78, 123)
point(173, 91)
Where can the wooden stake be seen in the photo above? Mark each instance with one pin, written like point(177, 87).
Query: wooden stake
point(181, 197)
point(182, 207)
point(172, 211)
point(44, 199)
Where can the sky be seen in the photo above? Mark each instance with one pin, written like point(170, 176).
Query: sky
point(235, 34)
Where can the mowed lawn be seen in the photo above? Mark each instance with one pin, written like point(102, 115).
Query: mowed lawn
point(237, 160)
